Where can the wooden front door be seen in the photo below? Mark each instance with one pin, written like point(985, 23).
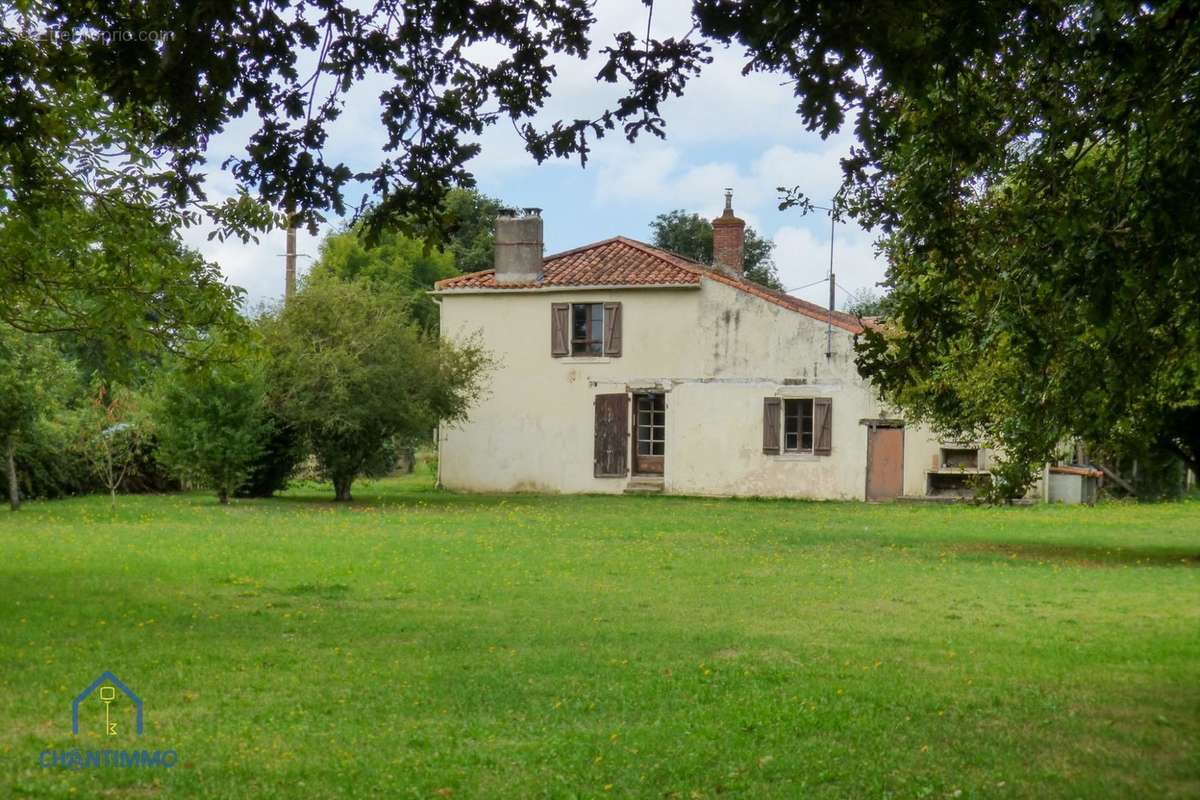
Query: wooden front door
point(612, 435)
point(885, 462)
point(650, 429)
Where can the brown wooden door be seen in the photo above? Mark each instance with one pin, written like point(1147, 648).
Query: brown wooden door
point(885, 462)
point(611, 435)
point(650, 431)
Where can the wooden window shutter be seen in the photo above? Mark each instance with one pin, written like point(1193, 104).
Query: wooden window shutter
point(612, 435)
point(612, 329)
point(772, 411)
point(822, 426)
point(560, 327)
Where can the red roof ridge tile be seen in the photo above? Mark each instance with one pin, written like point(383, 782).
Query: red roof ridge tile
point(659, 252)
point(582, 248)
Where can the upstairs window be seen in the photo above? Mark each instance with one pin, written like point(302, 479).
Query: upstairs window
point(587, 329)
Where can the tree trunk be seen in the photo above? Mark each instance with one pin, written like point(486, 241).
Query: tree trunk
point(14, 490)
point(223, 496)
point(341, 489)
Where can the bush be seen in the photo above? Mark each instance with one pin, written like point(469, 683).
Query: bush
point(49, 464)
point(282, 451)
point(211, 422)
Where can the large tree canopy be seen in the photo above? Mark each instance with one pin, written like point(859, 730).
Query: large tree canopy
point(177, 75)
point(163, 79)
point(1043, 235)
point(110, 273)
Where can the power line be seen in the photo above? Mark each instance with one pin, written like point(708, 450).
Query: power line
point(805, 286)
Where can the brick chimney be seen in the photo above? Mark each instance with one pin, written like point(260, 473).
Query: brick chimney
point(518, 256)
point(729, 235)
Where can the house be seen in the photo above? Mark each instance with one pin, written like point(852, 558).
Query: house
point(624, 367)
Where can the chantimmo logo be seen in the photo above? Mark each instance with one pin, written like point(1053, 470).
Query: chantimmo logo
point(110, 690)
point(108, 693)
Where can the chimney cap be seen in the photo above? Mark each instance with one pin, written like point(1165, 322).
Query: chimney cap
point(528, 211)
point(727, 216)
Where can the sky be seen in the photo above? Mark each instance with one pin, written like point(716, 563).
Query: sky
point(728, 130)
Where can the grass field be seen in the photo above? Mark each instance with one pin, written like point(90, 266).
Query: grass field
point(423, 644)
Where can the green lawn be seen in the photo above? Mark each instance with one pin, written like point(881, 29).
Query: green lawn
point(423, 644)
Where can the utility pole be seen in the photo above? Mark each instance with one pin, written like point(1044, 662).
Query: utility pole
point(829, 329)
point(289, 281)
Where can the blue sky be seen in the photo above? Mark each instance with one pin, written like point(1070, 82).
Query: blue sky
point(728, 130)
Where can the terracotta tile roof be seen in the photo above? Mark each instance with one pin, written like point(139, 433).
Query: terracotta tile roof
point(612, 262)
point(626, 262)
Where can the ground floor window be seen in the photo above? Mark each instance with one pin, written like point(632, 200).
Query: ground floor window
point(651, 424)
point(798, 426)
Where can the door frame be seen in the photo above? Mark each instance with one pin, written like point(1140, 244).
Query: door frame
point(633, 438)
point(871, 425)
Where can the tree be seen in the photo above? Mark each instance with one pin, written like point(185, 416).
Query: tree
point(472, 218)
point(32, 377)
point(1044, 242)
point(394, 263)
point(691, 236)
point(351, 372)
point(89, 241)
point(112, 433)
point(866, 302)
point(211, 421)
point(110, 274)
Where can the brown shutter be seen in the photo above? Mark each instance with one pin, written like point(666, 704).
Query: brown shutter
point(771, 415)
point(560, 325)
point(822, 426)
point(612, 329)
point(612, 435)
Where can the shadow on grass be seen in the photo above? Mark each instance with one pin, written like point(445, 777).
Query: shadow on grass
point(1086, 555)
point(391, 499)
point(420, 491)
